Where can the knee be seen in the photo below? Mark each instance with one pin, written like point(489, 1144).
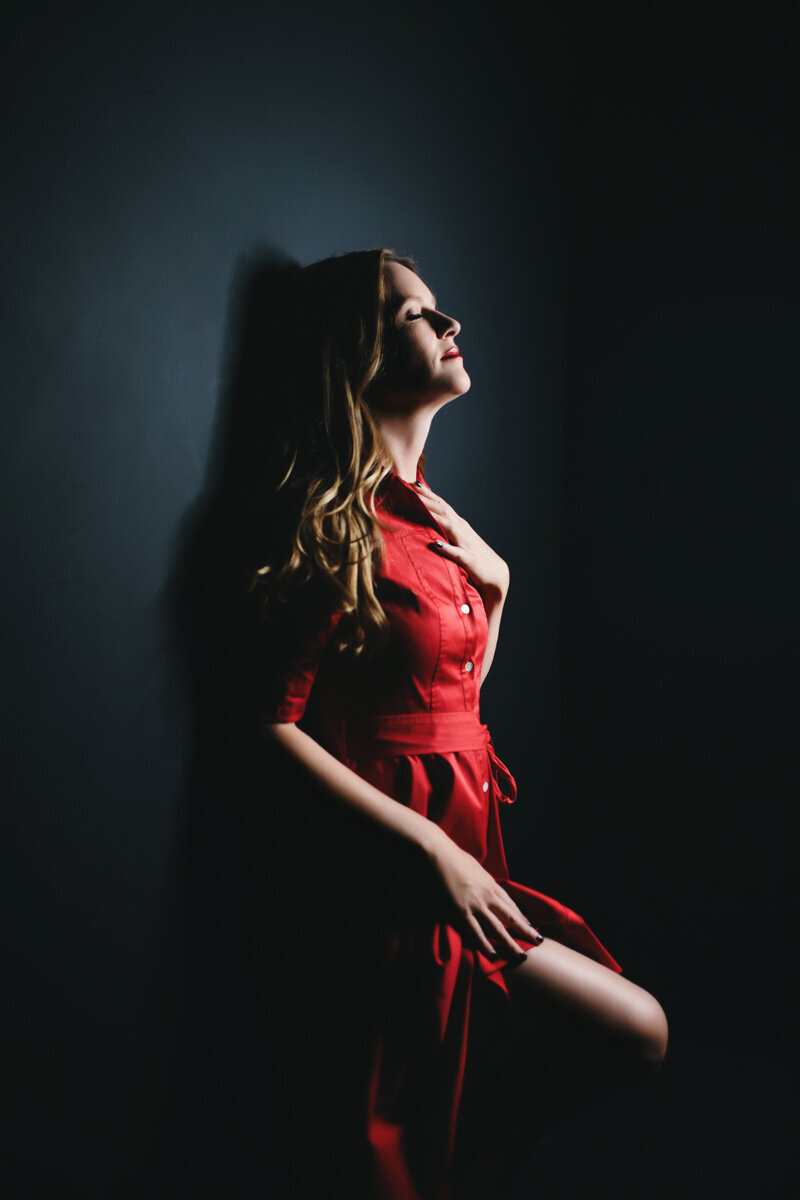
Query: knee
point(650, 1035)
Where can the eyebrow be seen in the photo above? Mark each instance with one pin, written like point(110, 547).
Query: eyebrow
point(401, 300)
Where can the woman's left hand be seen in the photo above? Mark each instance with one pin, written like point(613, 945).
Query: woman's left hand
point(487, 570)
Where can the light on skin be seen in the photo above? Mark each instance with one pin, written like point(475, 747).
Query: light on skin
point(422, 380)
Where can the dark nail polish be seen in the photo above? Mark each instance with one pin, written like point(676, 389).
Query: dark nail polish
point(520, 959)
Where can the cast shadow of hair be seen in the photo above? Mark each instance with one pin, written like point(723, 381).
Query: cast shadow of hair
point(210, 1105)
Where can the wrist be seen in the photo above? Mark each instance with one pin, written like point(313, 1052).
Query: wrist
point(431, 840)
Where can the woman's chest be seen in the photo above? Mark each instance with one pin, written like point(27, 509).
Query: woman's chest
point(422, 591)
point(437, 633)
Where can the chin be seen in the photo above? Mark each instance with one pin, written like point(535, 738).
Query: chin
point(450, 396)
point(454, 388)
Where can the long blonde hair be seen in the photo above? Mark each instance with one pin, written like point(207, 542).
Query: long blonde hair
point(334, 459)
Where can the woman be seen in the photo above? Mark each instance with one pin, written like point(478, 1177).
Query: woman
point(382, 610)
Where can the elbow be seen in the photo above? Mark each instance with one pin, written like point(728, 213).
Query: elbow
point(278, 733)
point(277, 728)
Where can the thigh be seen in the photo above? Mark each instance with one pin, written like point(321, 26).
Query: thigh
point(595, 1001)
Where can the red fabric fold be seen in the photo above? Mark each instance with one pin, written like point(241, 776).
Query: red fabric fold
point(407, 720)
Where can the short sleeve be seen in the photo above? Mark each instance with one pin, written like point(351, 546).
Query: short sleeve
point(292, 642)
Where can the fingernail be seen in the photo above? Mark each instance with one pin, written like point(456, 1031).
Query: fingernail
point(439, 543)
point(520, 958)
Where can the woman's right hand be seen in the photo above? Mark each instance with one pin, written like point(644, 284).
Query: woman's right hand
point(482, 911)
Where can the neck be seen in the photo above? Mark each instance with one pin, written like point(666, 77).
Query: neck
point(404, 436)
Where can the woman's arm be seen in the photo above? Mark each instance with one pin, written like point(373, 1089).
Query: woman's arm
point(494, 612)
point(479, 904)
point(347, 787)
point(488, 572)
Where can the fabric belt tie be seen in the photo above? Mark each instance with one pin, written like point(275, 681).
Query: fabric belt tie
point(354, 738)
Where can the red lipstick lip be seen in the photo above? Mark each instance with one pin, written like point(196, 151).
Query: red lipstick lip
point(454, 353)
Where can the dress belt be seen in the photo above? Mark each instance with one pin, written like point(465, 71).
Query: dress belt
point(354, 738)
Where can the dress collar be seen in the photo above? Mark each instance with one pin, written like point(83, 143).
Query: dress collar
point(405, 482)
point(404, 498)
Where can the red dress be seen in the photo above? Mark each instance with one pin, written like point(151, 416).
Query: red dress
point(408, 721)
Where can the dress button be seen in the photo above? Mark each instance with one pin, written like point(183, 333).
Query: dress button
point(465, 608)
point(467, 666)
point(486, 787)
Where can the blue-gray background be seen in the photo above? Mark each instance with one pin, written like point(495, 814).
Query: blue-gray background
point(603, 200)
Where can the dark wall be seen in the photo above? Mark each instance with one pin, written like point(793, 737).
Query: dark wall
point(150, 151)
point(679, 518)
point(603, 203)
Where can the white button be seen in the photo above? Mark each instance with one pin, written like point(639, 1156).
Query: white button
point(486, 787)
point(467, 666)
point(465, 608)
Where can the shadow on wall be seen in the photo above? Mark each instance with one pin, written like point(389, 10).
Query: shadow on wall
point(211, 1106)
point(270, 940)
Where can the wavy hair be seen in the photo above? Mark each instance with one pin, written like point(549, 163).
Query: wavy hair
point(333, 458)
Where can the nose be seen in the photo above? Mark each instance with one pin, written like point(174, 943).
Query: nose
point(447, 326)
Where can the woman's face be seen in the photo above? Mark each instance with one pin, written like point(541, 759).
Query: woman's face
point(424, 360)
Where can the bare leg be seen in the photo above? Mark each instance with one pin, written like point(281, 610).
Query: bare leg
point(574, 1032)
point(617, 1014)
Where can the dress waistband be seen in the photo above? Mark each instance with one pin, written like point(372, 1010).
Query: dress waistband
point(354, 738)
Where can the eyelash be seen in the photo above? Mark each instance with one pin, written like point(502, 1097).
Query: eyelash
point(413, 316)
